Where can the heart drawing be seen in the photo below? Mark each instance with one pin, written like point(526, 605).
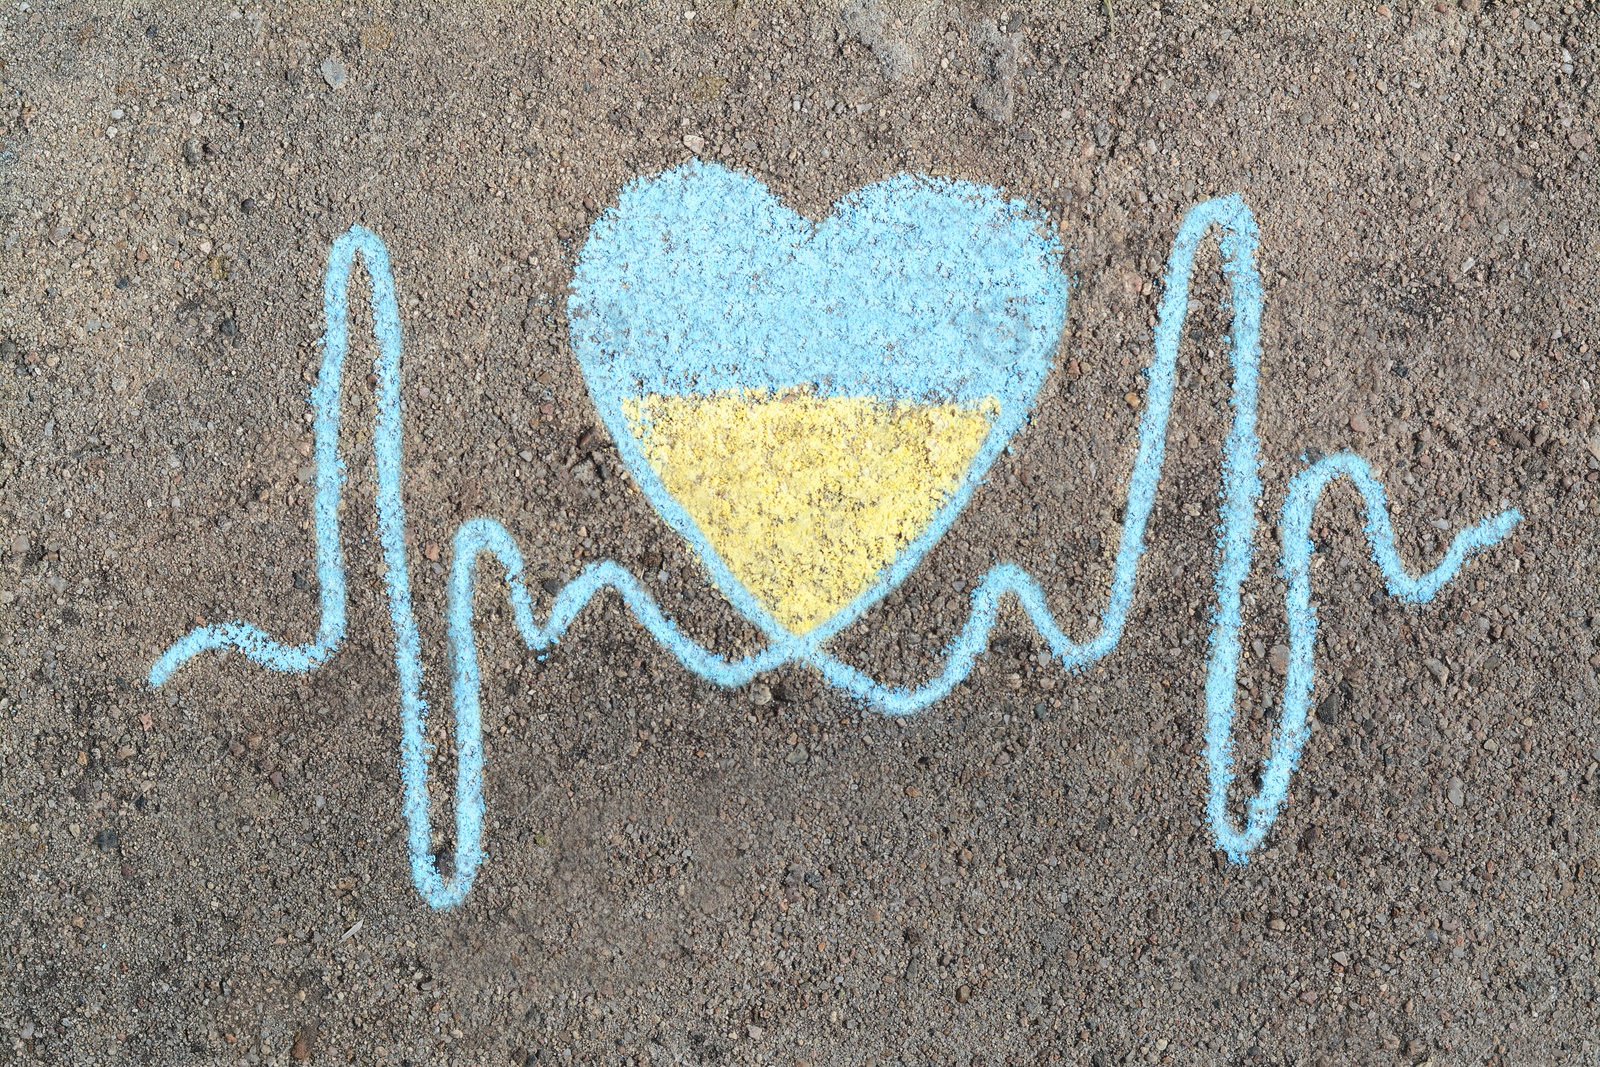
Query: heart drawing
point(810, 405)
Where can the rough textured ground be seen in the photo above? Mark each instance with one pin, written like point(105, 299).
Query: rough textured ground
point(215, 872)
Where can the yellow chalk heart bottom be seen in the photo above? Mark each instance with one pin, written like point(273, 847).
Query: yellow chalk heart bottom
point(804, 498)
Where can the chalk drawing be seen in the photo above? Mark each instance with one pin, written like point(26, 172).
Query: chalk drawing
point(481, 536)
point(811, 405)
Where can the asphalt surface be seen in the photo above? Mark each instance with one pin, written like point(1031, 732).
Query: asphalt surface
point(216, 870)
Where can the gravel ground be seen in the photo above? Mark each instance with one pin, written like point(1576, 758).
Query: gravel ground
point(216, 871)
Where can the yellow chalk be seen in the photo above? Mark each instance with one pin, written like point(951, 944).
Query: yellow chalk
point(805, 498)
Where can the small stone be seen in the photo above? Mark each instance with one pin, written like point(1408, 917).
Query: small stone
point(1132, 400)
point(247, 206)
point(332, 72)
point(797, 755)
point(913, 791)
point(1277, 926)
point(305, 1042)
point(760, 694)
point(1279, 658)
point(1342, 958)
point(694, 143)
point(1358, 423)
point(756, 1033)
point(1456, 793)
point(963, 994)
point(1440, 672)
point(1478, 197)
point(192, 152)
point(1578, 139)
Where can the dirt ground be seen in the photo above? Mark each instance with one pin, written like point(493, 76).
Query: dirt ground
point(216, 871)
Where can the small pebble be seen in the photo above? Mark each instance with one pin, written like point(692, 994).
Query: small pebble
point(333, 72)
point(305, 1041)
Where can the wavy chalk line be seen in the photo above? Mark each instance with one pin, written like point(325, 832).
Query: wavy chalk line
point(481, 536)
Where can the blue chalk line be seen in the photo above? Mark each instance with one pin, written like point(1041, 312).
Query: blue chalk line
point(482, 536)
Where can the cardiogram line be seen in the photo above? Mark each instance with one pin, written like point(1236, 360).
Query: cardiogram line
point(482, 536)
